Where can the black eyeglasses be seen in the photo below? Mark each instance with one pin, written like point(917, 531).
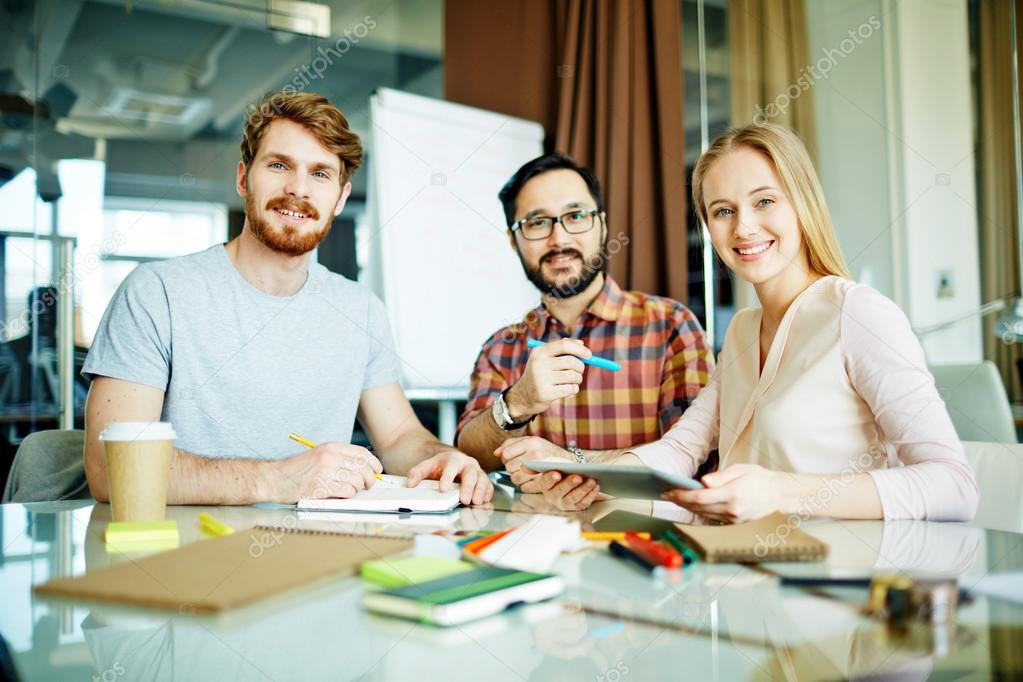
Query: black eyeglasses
point(541, 226)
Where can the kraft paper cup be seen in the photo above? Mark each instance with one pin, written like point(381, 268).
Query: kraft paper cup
point(138, 456)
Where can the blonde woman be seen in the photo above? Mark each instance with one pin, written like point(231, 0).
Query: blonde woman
point(822, 403)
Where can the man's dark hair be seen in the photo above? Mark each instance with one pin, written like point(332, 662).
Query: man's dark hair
point(541, 164)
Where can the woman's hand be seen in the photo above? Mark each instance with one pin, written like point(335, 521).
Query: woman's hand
point(742, 492)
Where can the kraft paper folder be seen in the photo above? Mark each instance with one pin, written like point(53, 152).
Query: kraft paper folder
point(214, 575)
point(771, 538)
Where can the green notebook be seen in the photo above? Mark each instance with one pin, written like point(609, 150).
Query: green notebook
point(464, 596)
point(403, 571)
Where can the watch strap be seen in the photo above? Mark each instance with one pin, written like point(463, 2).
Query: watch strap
point(506, 423)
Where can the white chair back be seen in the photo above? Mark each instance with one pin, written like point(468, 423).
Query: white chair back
point(977, 402)
point(999, 471)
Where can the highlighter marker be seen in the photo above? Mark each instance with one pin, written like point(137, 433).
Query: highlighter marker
point(654, 551)
point(622, 552)
point(595, 361)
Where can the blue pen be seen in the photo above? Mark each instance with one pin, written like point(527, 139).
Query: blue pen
point(603, 363)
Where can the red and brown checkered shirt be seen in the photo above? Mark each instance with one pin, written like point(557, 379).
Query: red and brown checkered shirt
point(665, 359)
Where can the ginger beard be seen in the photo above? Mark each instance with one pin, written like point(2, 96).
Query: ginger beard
point(285, 239)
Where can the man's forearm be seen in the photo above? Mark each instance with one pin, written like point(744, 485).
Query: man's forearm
point(196, 479)
point(481, 436)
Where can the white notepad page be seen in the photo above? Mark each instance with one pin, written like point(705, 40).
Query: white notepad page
point(390, 495)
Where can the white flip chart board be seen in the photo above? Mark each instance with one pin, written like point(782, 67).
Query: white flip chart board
point(437, 242)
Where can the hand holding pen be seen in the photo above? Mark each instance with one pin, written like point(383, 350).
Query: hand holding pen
point(327, 470)
point(553, 371)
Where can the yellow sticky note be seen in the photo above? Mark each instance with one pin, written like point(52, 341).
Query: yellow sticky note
point(128, 537)
point(138, 531)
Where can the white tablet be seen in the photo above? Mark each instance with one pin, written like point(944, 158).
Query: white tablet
point(641, 483)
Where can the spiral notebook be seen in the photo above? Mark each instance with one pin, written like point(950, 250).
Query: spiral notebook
point(214, 575)
point(772, 538)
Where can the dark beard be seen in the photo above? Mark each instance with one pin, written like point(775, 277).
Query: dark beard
point(286, 240)
point(577, 283)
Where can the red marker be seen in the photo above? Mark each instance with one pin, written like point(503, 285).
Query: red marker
point(654, 552)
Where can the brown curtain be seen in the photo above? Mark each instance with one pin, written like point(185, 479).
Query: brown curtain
point(605, 79)
point(999, 247)
point(768, 50)
point(499, 56)
point(999, 231)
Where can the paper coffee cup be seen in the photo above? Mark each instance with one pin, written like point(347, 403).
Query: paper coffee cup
point(138, 467)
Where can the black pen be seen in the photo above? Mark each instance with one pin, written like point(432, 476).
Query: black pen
point(623, 552)
point(813, 581)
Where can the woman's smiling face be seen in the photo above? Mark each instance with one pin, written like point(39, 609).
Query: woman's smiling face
point(752, 224)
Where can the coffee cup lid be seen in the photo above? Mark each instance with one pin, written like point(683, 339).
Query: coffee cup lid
point(118, 431)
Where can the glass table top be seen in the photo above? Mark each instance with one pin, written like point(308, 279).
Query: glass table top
point(615, 622)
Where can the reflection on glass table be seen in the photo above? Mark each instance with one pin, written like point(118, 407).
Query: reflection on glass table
point(708, 621)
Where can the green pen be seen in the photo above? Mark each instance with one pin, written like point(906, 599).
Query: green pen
point(688, 555)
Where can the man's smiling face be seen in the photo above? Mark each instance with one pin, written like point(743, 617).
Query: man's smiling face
point(292, 189)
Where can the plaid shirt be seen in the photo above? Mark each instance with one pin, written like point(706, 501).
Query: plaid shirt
point(665, 359)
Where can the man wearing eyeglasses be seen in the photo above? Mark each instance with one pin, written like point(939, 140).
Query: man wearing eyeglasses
point(545, 403)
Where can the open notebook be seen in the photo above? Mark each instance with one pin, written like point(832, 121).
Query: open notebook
point(390, 495)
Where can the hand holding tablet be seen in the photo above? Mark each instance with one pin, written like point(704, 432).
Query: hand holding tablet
point(641, 483)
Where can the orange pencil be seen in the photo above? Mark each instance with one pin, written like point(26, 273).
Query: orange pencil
point(477, 546)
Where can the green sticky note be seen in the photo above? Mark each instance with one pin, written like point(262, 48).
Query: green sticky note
point(391, 573)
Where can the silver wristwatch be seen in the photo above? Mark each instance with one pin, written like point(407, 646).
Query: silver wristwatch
point(580, 458)
point(503, 418)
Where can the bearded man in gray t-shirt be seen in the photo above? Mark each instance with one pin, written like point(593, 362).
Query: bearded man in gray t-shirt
point(244, 343)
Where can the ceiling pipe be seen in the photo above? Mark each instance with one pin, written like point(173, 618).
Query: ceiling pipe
point(212, 60)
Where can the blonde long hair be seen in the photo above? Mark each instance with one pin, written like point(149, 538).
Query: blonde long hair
point(798, 180)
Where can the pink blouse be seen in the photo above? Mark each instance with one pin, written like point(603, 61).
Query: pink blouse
point(844, 390)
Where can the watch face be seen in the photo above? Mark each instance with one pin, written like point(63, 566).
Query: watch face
point(503, 418)
point(500, 412)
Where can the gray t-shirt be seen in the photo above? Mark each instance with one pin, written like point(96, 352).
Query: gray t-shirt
point(241, 368)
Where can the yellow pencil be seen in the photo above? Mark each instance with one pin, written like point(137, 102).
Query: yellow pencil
point(212, 526)
point(299, 439)
point(609, 535)
point(309, 444)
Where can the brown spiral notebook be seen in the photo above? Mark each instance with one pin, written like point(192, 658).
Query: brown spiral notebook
point(214, 575)
point(772, 538)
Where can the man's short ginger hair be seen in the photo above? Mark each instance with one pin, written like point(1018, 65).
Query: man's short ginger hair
point(314, 113)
